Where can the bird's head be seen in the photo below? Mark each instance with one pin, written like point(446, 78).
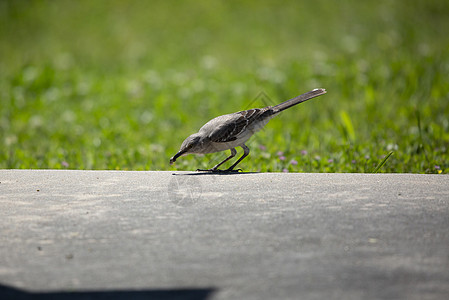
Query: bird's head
point(192, 144)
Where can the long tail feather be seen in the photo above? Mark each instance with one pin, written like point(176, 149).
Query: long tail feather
point(299, 99)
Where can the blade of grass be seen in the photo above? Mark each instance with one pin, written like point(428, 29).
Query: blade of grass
point(382, 162)
point(347, 126)
point(421, 145)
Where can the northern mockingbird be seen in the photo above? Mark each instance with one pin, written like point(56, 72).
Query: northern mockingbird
point(233, 130)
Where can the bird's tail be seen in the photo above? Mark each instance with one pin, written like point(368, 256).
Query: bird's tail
point(299, 99)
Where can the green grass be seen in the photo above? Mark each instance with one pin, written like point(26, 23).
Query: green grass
point(120, 84)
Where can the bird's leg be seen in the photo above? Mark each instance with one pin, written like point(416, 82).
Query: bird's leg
point(245, 154)
point(215, 169)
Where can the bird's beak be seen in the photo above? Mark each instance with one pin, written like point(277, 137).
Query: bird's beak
point(174, 158)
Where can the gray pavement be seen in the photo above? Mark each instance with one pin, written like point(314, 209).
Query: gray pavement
point(180, 235)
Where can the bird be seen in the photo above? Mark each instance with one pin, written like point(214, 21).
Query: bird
point(229, 131)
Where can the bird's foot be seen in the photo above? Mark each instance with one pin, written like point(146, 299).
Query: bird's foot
point(220, 171)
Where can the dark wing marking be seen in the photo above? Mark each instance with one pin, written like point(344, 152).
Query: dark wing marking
point(229, 131)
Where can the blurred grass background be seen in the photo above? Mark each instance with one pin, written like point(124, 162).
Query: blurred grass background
point(120, 84)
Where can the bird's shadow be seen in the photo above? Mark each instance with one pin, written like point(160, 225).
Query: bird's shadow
point(202, 173)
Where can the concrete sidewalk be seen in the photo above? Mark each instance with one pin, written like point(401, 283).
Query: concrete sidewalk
point(179, 235)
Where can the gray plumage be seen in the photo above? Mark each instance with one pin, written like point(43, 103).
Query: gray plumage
point(233, 130)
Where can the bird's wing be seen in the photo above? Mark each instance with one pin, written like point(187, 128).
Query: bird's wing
point(230, 126)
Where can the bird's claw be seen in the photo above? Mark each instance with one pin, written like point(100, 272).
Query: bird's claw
point(220, 171)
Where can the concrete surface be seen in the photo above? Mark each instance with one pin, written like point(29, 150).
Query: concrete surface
point(178, 235)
